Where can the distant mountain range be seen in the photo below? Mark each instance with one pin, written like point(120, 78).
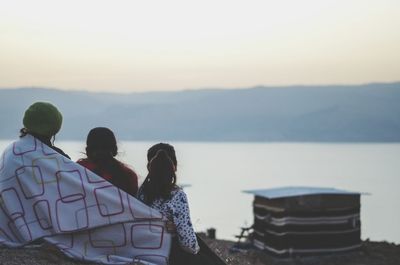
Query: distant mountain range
point(359, 113)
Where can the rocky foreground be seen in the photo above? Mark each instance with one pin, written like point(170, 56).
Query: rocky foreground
point(371, 253)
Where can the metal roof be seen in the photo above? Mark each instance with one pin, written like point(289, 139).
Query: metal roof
point(293, 191)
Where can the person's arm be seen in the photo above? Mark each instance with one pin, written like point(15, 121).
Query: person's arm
point(184, 228)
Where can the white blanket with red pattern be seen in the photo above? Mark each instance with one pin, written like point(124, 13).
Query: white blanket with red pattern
point(45, 195)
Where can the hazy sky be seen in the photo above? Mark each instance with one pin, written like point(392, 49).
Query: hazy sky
point(162, 45)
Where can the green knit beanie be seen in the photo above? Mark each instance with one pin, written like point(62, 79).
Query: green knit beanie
point(42, 118)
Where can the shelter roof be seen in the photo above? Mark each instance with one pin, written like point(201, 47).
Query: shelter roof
point(293, 191)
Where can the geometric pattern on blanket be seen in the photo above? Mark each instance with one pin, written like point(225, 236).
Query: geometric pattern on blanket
point(45, 195)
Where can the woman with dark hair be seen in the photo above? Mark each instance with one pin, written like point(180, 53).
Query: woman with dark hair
point(101, 149)
point(160, 191)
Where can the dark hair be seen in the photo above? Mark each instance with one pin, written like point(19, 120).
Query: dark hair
point(23, 132)
point(161, 179)
point(162, 146)
point(101, 144)
point(101, 149)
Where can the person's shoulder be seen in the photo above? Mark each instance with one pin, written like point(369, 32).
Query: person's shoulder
point(86, 163)
point(179, 195)
point(128, 169)
point(60, 151)
point(177, 190)
point(83, 161)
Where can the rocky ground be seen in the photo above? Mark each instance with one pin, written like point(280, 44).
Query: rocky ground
point(371, 253)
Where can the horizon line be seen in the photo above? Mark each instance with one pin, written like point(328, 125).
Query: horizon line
point(199, 88)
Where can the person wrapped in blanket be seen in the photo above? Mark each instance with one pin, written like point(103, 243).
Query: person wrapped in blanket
point(101, 149)
point(159, 191)
point(43, 121)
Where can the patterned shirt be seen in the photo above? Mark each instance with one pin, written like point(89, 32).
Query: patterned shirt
point(176, 210)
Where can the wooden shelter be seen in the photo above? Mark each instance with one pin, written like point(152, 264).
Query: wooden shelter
point(298, 221)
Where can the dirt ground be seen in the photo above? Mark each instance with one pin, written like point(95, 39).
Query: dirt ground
point(371, 253)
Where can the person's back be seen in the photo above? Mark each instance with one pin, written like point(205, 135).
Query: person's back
point(176, 210)
point(101, 149)
point(160, 191)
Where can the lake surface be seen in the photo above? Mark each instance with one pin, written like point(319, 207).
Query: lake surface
point(218, 172)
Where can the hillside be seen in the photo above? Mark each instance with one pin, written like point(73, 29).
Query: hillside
point(362, 113)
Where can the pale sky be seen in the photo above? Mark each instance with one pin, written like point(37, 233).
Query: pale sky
point(171, 45)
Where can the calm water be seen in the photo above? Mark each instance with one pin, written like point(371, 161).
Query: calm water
point(218, 172)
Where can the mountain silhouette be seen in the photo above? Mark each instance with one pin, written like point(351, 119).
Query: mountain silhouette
point(337, 113)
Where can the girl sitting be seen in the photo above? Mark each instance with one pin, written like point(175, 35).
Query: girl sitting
point(101, 149)
point(160, 191)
